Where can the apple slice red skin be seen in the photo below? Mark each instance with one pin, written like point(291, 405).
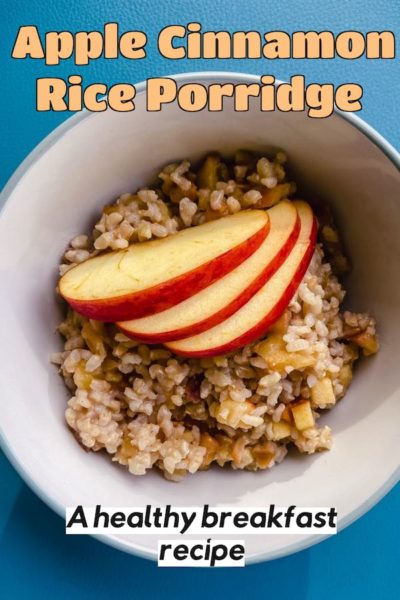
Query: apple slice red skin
point(228, 310)
point(262, 327)
point(168, 293)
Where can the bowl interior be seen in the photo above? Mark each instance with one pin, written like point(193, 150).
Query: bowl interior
point(92, 160)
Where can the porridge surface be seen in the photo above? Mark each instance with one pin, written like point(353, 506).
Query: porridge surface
point(147, 407)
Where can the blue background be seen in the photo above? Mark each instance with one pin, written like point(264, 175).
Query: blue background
point(36, 558)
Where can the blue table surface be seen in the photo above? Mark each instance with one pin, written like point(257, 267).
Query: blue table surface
point(36, 558)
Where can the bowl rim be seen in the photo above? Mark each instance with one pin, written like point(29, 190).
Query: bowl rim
point(40, 149)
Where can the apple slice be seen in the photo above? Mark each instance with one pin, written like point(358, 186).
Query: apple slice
point(220, 300)
point(152, 276)
point(265, 307)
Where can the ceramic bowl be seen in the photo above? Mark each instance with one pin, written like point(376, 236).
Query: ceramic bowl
point(58, 192)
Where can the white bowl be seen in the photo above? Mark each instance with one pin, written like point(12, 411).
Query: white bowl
point(59, 190)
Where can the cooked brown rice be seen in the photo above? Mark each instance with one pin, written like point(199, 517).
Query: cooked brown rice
point(148, 408)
